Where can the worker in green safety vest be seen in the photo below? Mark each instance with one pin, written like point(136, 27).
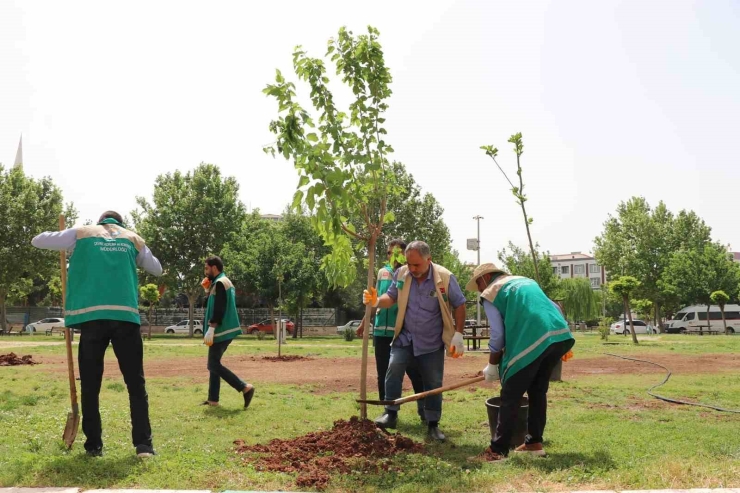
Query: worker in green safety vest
point(528, 338)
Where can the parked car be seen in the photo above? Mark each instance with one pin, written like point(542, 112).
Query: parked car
point(623, 327)
point(352, 324)
point(45, 324)
point(692, 319)
point(266, 327)
point(183, 327)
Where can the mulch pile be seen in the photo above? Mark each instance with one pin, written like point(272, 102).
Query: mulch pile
point(292, 357)
point(13, 359)
point(347, 447)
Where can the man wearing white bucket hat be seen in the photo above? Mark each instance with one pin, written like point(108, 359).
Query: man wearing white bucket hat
point(528, 337)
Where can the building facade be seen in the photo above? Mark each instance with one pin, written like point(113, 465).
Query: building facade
point(577, 264)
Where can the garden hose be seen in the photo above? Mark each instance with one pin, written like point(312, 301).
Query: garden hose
point(665, 380)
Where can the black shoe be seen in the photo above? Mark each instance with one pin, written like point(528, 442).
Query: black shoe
point(248, 397)
point(96, 452)
point(436, 434)
point(145, 451)
point(387, 420)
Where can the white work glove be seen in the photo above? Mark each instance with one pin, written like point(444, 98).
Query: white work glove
point(491, 373)
point(208, 338)
point(456, 346)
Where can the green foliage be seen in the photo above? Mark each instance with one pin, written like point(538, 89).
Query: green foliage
point(519, 263)
point(27, 207)
point(640, 240)
point(719, 298)
point(518, 192)
point(190, 217)
point(693, 275)
point(341, 156)
point(604, 332)
point(578, 299)
point(624, 286)
point(149, 293)
point(349, 334)
point(644, 308)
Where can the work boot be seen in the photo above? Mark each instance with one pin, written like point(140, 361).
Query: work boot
point(535, 449)
point(145, 451)
point(387, 420)
point(96, 452)
point(435, 433)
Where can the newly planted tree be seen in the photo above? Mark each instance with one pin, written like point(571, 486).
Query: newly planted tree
point(624, 286)
point(150, 294)
point(341, 156)
point(518, 191)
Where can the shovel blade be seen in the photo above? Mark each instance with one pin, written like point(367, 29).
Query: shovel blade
point(70, 429)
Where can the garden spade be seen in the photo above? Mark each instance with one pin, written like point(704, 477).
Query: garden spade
point(73, 418)
point(422, 395)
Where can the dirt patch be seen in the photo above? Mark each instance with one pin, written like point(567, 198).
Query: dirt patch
point(326, 375)
point(315, 457)
point(293, 357)
point(12, 359)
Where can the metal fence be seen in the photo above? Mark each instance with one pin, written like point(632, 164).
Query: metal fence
point(310, 317)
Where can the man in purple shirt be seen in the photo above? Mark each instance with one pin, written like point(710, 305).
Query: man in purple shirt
point(420, 341)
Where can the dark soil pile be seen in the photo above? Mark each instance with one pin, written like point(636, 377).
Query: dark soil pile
point(13, 359)
point(293, 357)
point(349, 445)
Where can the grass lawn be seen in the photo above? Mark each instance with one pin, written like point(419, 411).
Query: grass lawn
point(604, 432)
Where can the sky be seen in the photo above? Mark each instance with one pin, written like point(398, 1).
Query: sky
point(613, 98)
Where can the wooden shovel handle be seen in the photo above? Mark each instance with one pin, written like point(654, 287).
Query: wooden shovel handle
point(429, 393)
point(67, 331)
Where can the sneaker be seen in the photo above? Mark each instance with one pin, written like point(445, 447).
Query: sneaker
point(535, 449)
point(96, 452)
point(248, 397)
point(145, 451)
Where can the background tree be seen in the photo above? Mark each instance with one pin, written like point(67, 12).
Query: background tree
point(191, 216)
point(578, 299)
point(721, 298)
point(519, 263)
point(639, 241)
point(624, 286)
point(27, 207)
point(150, 294)
point(518, 191)
point(341, 158)
point(693, 275)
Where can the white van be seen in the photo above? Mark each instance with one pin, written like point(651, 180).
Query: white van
point(693, 319)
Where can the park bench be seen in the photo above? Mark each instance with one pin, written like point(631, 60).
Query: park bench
point(476, 341)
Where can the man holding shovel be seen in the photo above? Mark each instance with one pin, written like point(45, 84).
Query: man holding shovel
point(528, 337)
point(103, 302)
point(385, 323)
point(426, 294)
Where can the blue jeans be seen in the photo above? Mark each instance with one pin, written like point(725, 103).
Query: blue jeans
point(382, 347)
point(430, 365)
point(219, 371)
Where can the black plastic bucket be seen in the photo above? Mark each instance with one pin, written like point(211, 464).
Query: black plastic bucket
point(520, 430)
point(557, 372)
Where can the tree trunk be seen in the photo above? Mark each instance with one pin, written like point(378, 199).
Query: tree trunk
point(150, 322)
point(629, 314)
point(272, 320)
point(191, 313)
point(368, 313)
point(724, 322)
point(709, 322)
point(3, 314)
